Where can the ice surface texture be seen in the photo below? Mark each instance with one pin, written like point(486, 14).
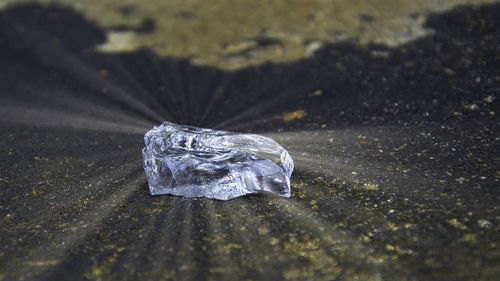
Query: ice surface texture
point(195, 162)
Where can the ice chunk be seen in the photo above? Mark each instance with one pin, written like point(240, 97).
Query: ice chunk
point(195, 162)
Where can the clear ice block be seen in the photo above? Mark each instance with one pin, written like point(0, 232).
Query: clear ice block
point(196, 162)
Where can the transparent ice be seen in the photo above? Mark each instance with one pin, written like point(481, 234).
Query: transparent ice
point(195, 162)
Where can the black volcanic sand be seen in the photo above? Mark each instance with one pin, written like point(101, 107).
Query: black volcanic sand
point(396, 150)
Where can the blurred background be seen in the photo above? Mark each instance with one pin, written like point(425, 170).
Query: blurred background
point(388, 108)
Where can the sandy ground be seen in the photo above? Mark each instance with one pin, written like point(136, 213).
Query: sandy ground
point(230, 35)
